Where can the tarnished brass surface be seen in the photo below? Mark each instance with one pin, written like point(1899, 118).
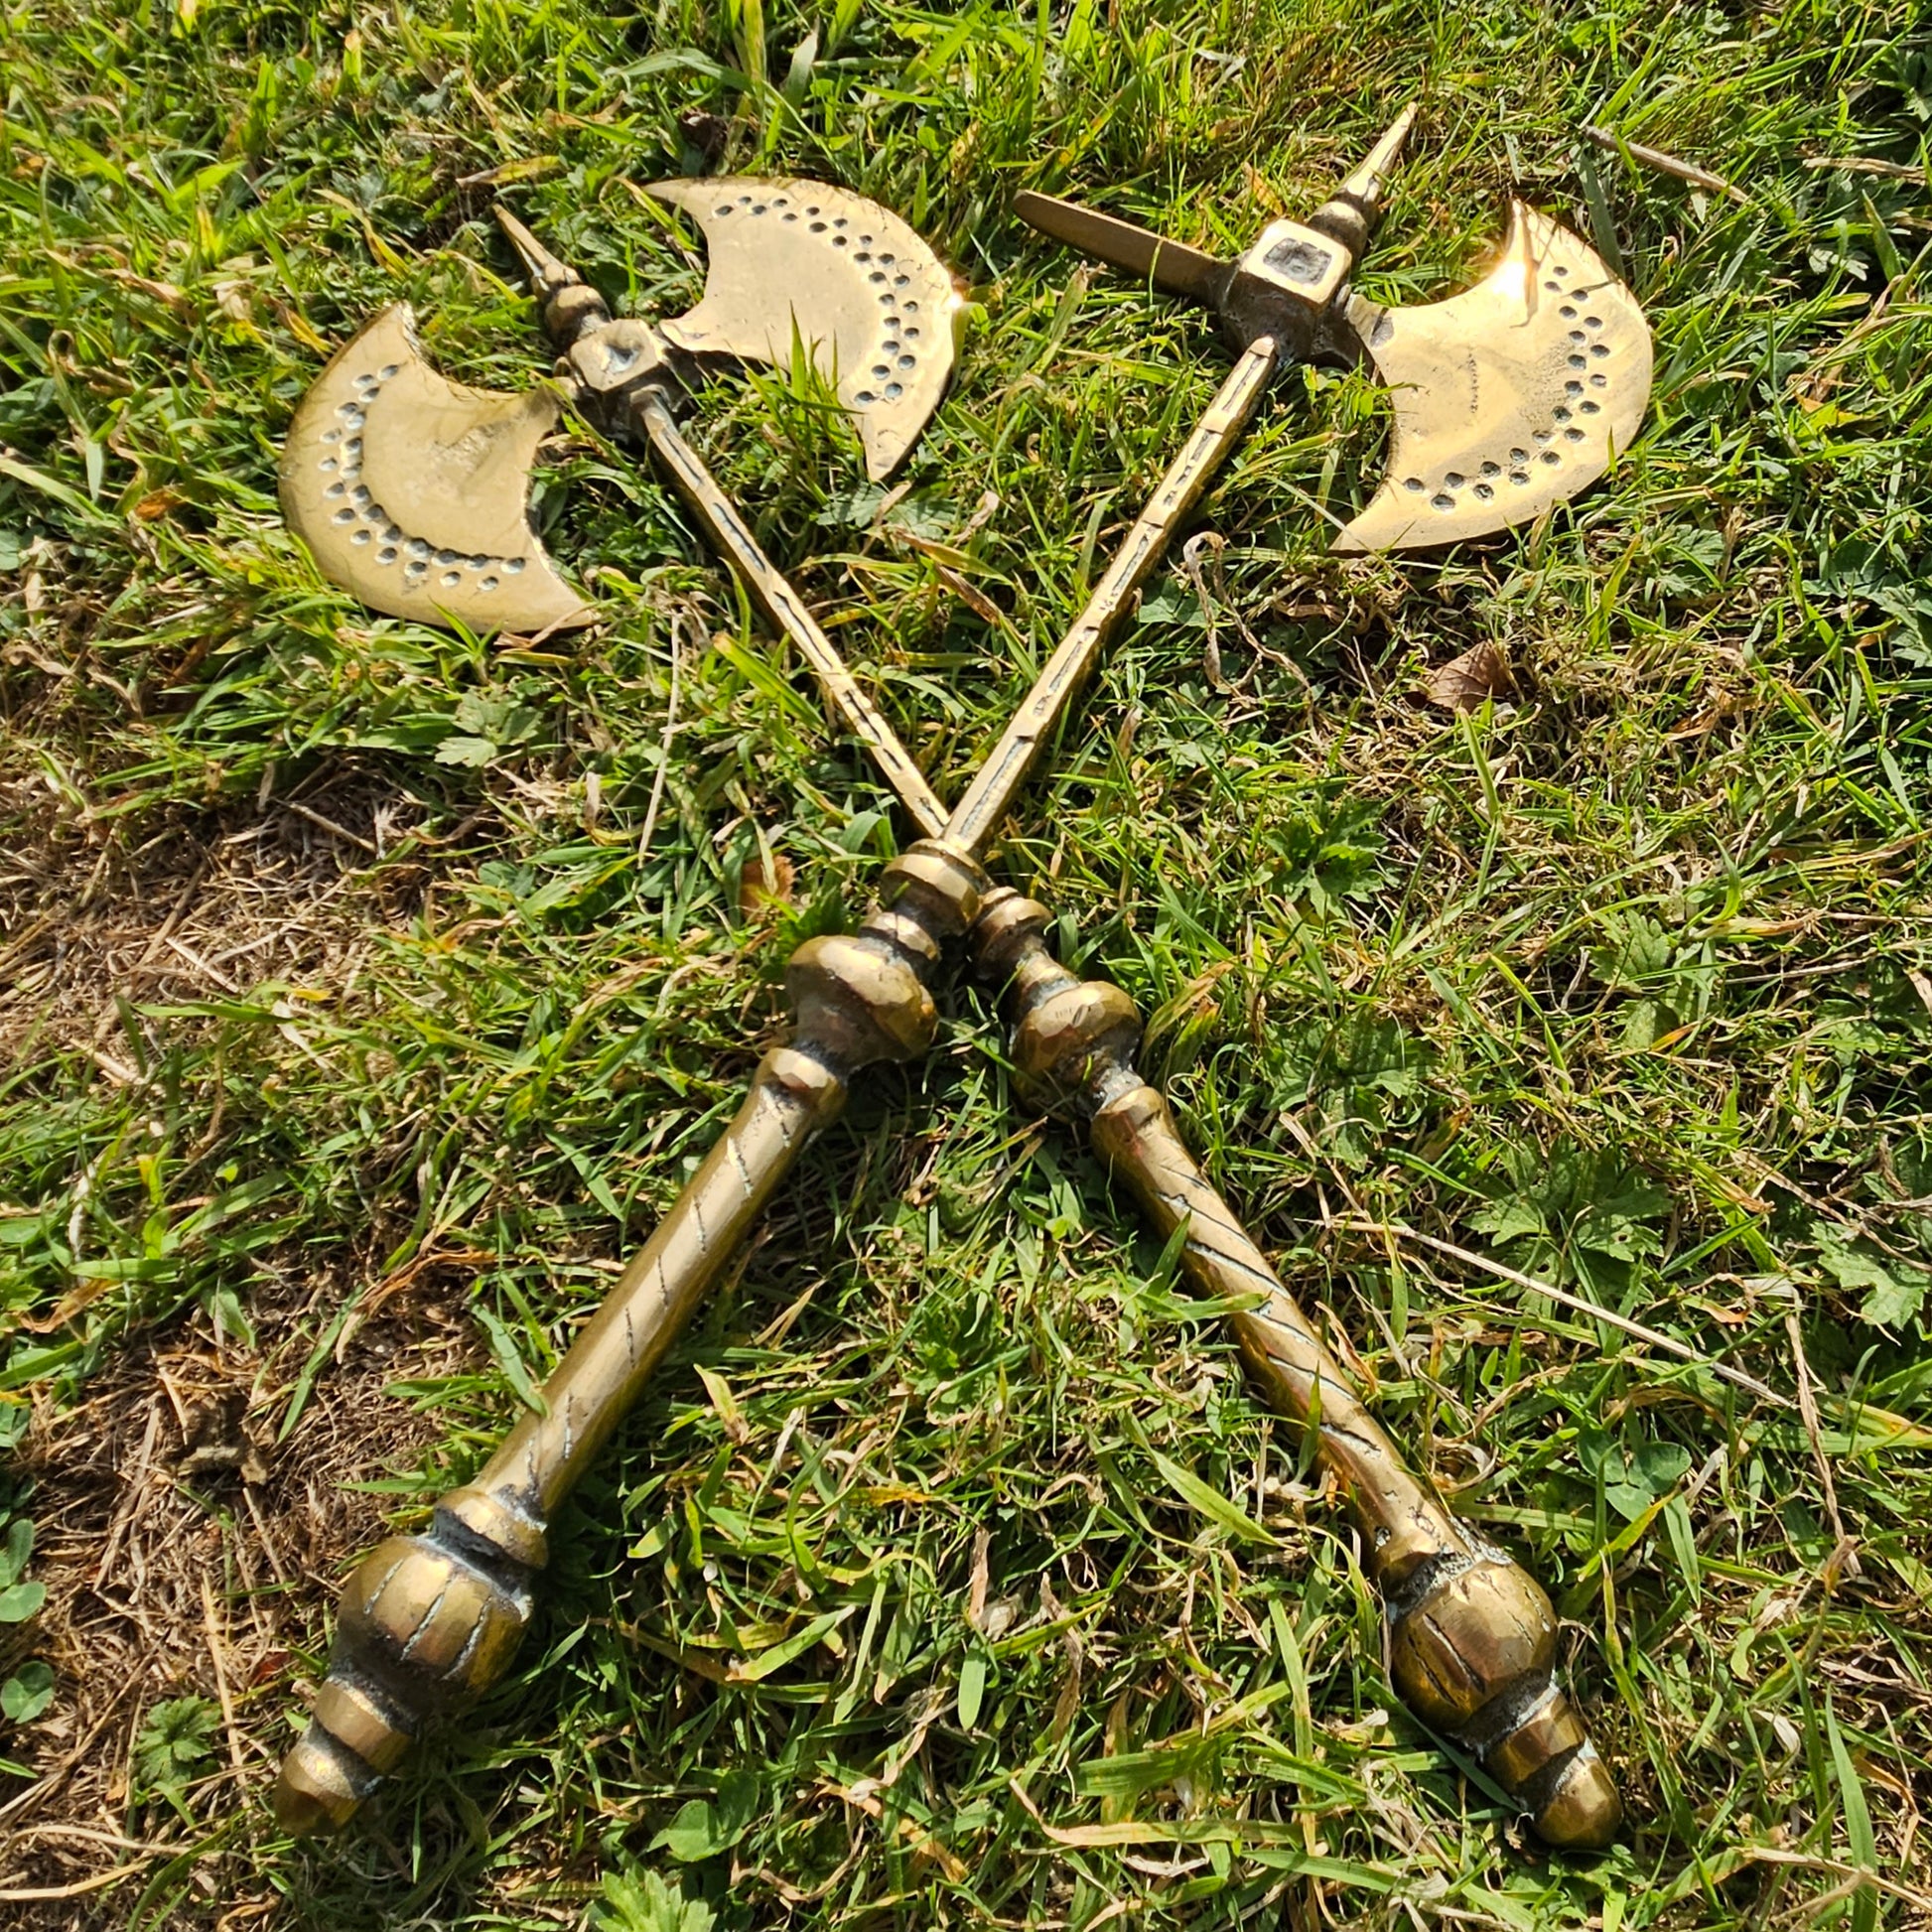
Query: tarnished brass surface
point(429, 1622)
point(1472, 1638)
point(857, 1000)
point(1509, 397)
point(410, 490)
point(796, 260)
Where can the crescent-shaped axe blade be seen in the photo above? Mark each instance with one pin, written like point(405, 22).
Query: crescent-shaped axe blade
point(796, 260)
point(1509, 397)
point(410, 490)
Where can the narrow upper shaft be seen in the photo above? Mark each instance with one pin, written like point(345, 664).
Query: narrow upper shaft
point(978, 816)
point(771, 591)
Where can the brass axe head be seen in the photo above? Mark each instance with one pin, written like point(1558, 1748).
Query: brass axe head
point(410, 490)
point(1509, 397)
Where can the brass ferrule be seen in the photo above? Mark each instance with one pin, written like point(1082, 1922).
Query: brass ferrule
point(1473, 1652)
point(427, 1623)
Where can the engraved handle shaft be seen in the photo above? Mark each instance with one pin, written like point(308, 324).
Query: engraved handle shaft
point(977, 816)
point(429, 1622)
point(795, 1091)
point(1472, 1636)
point(786, 612)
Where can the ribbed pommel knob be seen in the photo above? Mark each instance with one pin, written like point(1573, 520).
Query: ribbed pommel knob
point(1473, 1652)
point(427, 1624)
point(862, 997)
point(1009, 929)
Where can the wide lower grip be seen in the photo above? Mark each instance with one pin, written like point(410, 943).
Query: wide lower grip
point(429, 1622)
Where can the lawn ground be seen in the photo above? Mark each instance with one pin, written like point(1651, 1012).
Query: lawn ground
point(366, 991)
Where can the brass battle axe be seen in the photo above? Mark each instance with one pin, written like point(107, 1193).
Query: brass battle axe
point(430, 1619)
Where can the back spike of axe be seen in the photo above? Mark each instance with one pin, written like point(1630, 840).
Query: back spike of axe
point(430, 1620)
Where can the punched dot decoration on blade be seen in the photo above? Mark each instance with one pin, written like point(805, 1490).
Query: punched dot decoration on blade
point(870, 303)
point(412, 491)
point(1507, 397)
point(386, 541)
point(895, 348)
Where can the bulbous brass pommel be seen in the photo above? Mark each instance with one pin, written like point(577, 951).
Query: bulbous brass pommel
point(859, 1001)
point(1066, 1047)
point(1473, 1652)
point(1073, 1039)
point(427, 1624)
point(861, 998)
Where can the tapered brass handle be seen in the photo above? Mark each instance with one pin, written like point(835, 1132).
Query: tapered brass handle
point(429, 1622)
point(1472, 1636)
point(786, 612)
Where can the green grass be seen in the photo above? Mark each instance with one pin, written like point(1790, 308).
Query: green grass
point(342, 1075)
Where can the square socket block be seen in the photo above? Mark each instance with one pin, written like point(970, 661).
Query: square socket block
point(1298, 262)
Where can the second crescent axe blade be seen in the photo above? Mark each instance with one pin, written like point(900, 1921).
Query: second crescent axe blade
point(1509, 397)
point(872, 303)
point(410, 490)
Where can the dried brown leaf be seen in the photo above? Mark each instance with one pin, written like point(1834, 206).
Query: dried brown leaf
point(1464, 683)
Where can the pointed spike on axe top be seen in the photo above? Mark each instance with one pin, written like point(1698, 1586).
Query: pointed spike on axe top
point(544, 269)
point(1371, 177)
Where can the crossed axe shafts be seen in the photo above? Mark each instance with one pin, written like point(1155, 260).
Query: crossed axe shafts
point(428, 1621)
